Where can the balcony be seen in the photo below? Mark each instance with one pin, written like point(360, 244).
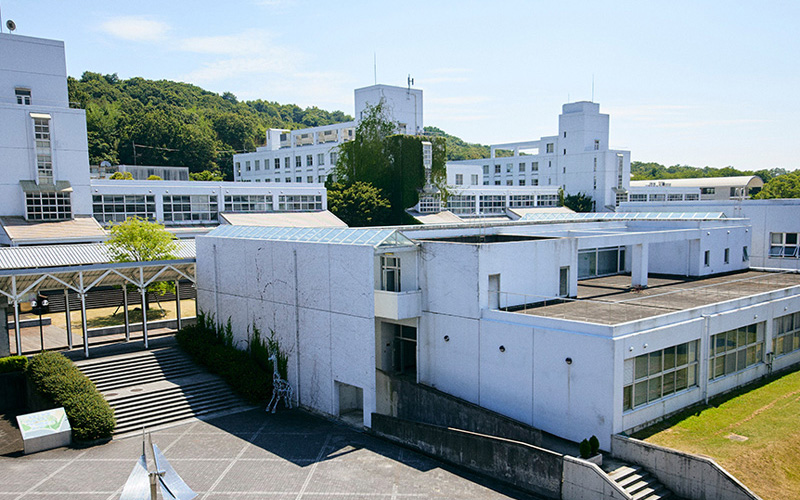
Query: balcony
point(398, 305)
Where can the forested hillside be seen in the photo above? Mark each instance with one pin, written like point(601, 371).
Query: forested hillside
point(650, 170)
point(175, 123)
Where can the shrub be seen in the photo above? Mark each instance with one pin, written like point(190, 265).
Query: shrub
point(249, 371)
point(13, 364)
point(585, 448)
point(594, 444)
point(60, 382)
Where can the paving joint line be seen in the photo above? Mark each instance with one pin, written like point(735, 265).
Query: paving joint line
point(313, 468)
point(51, 475)
point(233, 462)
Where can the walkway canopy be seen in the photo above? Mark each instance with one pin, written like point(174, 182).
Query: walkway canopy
point(80, 268)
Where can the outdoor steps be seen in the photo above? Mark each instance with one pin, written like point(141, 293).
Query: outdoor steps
point(159, 387)
point(639, 484)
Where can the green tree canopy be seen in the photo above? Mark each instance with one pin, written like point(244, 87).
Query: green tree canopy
point(783, 186)
point(137, 240)
point(205, 175)
point(125, 176)
point(358, 204)
point(579, 202)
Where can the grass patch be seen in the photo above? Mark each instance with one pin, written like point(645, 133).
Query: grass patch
point(753, 432)
point(134, 316)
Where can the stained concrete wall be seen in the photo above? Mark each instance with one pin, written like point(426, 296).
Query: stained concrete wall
point(525, 466)
point(687, 475)
point(584, 480)
point(420, 403)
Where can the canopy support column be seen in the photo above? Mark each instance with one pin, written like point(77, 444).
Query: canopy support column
point(69, 318)
point(144, 317)
point(17, 334)
point(178, 302)
point(127, 319)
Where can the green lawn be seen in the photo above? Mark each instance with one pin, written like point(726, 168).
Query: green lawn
point(754, 433)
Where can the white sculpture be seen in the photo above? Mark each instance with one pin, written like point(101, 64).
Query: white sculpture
point(280, 388)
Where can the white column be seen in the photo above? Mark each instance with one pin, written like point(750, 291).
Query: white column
point(178, 302)
point(69, 318)
point(639, 258)
point(143, 290)
point(16, 328)
point(83, 323)
point(127, 319)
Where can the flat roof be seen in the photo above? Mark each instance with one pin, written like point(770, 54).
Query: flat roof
point(322, 218)
point(610, 300)
point(81, 228)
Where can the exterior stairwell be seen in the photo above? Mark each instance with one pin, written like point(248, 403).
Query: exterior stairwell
point(639, 484)
point(159, 387)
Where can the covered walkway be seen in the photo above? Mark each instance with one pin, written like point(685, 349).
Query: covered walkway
point(25, 271)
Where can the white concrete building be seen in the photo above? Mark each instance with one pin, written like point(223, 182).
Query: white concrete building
point(306, 156)
point(547, 320)
point(482, 201)
point(694, 189)
point(578, 159)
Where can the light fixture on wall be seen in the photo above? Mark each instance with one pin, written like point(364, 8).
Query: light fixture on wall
point(502, 348)
point(569, 361)
point(447, 338)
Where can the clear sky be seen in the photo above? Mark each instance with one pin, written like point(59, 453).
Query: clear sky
point(692, 82)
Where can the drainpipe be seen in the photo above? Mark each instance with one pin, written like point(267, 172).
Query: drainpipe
point(705, 350)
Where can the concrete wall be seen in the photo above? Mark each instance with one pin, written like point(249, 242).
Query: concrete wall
point(409, 401)
point(525, 466)
point(584, 480)
point(307, 293)
point(687, 475)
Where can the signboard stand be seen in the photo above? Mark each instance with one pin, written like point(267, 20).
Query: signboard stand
point(45, 430)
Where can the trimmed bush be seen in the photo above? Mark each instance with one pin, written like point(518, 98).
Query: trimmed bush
point(585, 448)
point(13, 364)
point(60, 382)
point(248, 372)
point(594, 444)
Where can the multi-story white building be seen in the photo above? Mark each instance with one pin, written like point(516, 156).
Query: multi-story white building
point(306, 156)
point(536, 319)
point(45, 163)
point(578, 159)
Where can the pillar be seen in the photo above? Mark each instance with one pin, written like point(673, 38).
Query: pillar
point(144, 316)
point(639, 260)
point(17, 333)
point(127, 319)
point(84, 325)
point(69, 318)
point(178, 302)
point(5, 345)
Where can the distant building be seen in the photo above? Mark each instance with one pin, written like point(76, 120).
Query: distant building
point(141, 172)
point(694, 189)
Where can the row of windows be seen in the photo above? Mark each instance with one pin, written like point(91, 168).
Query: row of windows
point(489, 204)
point(255, 165)
point(118, 208)
point(248, 203)
point(520, 182)
point(664, 197)
point(299, 203)
point(726, 256)
point(735, 350)
point(784, 245)
point(460, 179)
point(194, 208)
point(787, 334)
point(48, 206)
point(509, 167)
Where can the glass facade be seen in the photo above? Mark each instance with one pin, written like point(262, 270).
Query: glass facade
point(48, 206)
point(735, 350)
point(787, 334)
point(299, 203)
point(196, 208)
point(658, 374)
point(118, 207)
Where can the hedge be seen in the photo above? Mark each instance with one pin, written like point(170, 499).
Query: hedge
point(248, 372)
point(13, 364)
point(60, 382)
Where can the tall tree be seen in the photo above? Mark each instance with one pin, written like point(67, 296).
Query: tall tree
point(138, 240)
point(783, 186)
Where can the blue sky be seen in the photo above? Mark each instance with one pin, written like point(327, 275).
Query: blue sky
point(690, 82)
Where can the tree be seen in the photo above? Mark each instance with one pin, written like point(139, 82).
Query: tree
point(205, 175)
point(358, 204)
point(783, 186)
point(579, 202)
point(124, 176)
point(154, 178)
point(137, 240)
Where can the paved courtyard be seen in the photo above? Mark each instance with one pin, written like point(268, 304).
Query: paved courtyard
point(290, 455)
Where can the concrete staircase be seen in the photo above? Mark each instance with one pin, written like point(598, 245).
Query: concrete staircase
point(159, 387)
point(639, 484)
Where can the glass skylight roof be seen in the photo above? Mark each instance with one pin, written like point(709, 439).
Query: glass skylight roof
point(562, 217)
point(343, 236)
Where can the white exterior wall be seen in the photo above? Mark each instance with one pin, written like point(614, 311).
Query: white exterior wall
point(765, 217)
point(404, 105)
point(321, 311)
point(39, 65)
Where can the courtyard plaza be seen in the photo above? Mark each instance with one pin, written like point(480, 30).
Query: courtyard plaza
point(288, 455)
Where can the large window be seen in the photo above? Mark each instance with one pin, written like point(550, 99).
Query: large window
point(784, 245)
point(522, 200)
point(430, 204)
point(735, 350)
point(787, 334)
point(658, 374)
point(48, 206)
point(601, 262)
point(23, 96)
point(299, 203)
point(461, 204)
point(493, 204)
point(190, 208)
point(118, 207)
point(248, 203)
point(546, 200)
point(390, 273)
point(638, 197)
point(44, 155)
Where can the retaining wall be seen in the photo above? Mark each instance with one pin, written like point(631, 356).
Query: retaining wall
point(687, 475)
point(583, 480)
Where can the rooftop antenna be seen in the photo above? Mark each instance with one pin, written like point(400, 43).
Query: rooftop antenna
point(410, 81)
point(375, 66)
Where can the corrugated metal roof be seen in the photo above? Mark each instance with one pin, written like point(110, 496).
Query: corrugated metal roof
point(42, 256)
point(624, 216)
point(343, 236)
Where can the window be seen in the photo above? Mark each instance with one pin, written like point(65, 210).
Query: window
point(621, 198)
point(310, 179)
point(596, 144)
point(247, 166)
point(474, 179)
point(535, 166)
point(674, 197)
point(497, 169)
point(286, 161)
point(784, 245)
point(493, 204)
point(620, 168)
point(430, 204)
point(510, 182)
point(563, 280)
point(320, 158)
point(547, 200)
point(787, 334)
point(309, 161)
point(594, 262)
point(390, 273)
point(23, 96)
point(258, 165)
point(118, 207)
point(521, 167)
point(299, 202)
point(707, 190)
point(691, 197)
point(594, 168)
point(658, 374)
point(287, 180)
point(459, 179)
point(238, 168)
point(565, 134)
point(497, 182)
point(745, 254)
point(638, 197)
point(44, 155)
point(245, 203)
point(522, 200)
point(564, 170)
point(707, 258)
point(534, 182)
point(522, 182)
point(298, 161)
point(334, 158)
point(190, 208)
point(461, 204)
point(727, 256)
point(277, 163)
point(549, 148)
point(658, 197)
point(321, 179)
point(735, 350)
point(298, 179)
point(565, 150)
point(486, 170)
point(48, 206)
point(509, 167)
